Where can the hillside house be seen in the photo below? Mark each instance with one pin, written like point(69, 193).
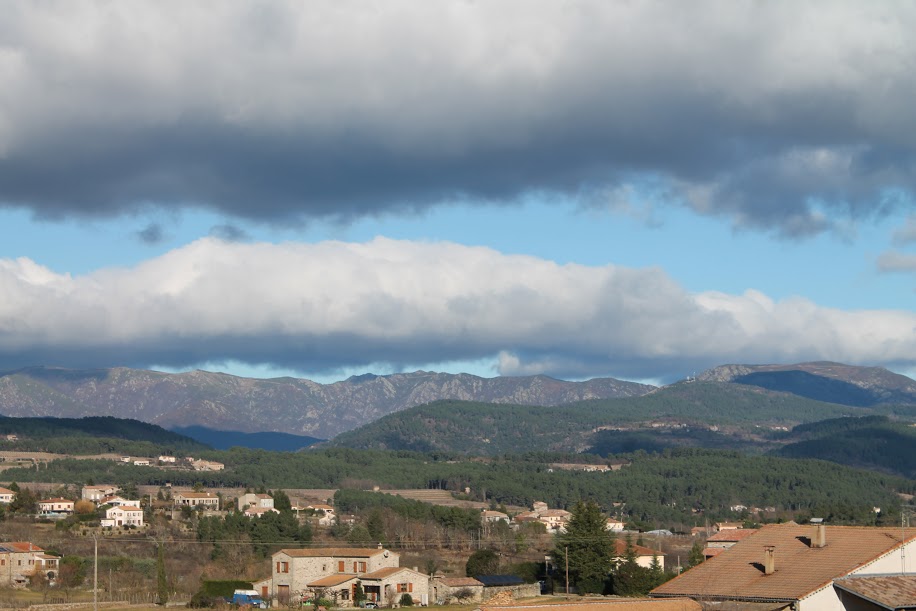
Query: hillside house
point(325, 513)
point(491, 517)
point(125, 515)
point(302, 572)
point(614, 526)
point(257, 512)
point(555, 520)
point(720, 526)
point(644, 555)
point(207, 500)
point(96, 493)
point(55, 506)
point(722, 540)
point(207, 465)
point(119, 501)
point(19, 559)
point(6, 495)
point(167, 460)
point(803, 568)
point(255, 501)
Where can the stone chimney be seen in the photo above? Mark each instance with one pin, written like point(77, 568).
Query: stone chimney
point(769, 559)
point(819, 536)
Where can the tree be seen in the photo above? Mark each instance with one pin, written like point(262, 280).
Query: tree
point(630, 579)
point(359, 594)
point(406, 600)
point(589, 548)
point(482, 562)
point(376, 526)
point(696, 555)
point(281, 501)
point(162, 585)
point(25, 501)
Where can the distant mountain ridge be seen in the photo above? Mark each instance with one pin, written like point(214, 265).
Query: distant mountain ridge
point(290, 405)
point(822, 381)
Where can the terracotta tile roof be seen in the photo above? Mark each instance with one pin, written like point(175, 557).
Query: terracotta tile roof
point(889, 591)
point(460, 582)
point(623, 604)
point(331, 580)
point(20, 546)
point(739, 534)
point(709, 552)
point(800, 569)
point(621, 546)
point(386, 572)
point(333, 552)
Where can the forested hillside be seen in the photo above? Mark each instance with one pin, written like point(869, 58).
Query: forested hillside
point(93, 435)
point(667, 488)
point(873, 442)
point(694, 414)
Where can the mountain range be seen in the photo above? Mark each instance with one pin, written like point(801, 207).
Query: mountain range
point(289, 405)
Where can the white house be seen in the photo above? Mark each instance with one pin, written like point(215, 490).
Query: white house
point(6, 495)
point(56, 505)
point(122, 516)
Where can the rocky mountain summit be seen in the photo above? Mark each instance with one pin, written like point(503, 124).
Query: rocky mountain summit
point(823, 381)
point(291, 405)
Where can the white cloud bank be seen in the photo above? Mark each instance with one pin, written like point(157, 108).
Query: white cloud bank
point(320, 307)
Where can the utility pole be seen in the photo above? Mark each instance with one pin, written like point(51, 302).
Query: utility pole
point(95, 575)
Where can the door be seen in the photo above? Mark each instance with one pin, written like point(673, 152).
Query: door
point(283, 594)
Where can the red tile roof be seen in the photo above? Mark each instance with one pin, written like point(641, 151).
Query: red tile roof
point(621, 546)
point(334, 552)
point(623, 604)
point(331, 580)
point(800, 568)
point(739, 534)
point(889, 591)
point(386, 572)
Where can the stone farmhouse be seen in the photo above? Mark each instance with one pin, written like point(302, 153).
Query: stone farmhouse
point(257, 501)
point(97, 492)
point(300, 574)
point(20, 559)
point(806, 568)
point(208, 500)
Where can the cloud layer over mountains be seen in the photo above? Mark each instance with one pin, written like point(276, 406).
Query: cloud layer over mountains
point(777, 115)
point(319, 307)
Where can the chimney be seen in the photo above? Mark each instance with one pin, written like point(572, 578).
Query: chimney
point(819, 538)
point(769, 559)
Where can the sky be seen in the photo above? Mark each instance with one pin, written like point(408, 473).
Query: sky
point(580, 188)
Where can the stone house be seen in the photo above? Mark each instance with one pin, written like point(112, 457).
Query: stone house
point(208, 500)
point(19, 559)
point(299, 573)
point(256, 501)
point(96, 493)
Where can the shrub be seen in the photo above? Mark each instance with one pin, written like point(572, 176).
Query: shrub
point(406, 600)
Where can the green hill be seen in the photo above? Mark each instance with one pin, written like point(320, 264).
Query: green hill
point(873, 442)
point(93, 435)
point(696, 414)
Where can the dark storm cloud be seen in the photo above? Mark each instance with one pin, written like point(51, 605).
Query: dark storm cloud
point(151, 234)
point(283, 111)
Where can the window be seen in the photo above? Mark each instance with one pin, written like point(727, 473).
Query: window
point(354, 567)
point(340, 566)
point(362, 567)
point(405, 587)
point(345, 594)
point(285, 567)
